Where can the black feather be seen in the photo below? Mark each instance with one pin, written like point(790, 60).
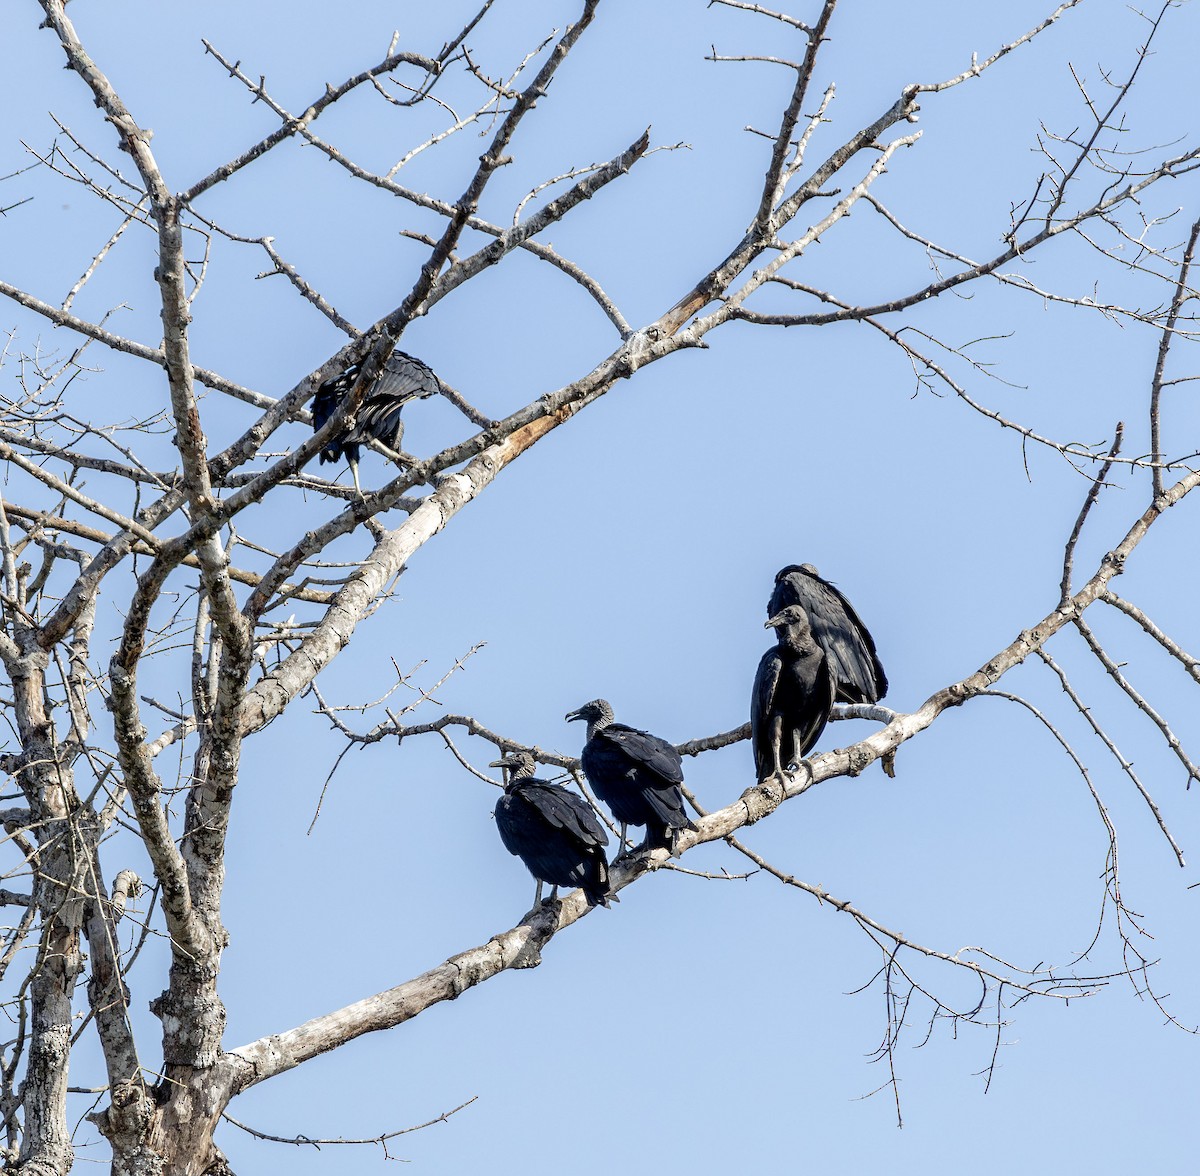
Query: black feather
point(403, 378)
point(792, 695)
point(857, 671)
point(638, 775)
point(554, 832)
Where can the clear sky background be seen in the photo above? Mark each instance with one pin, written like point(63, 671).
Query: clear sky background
point(700, 1026)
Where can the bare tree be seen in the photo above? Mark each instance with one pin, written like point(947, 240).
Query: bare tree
point(240, 573)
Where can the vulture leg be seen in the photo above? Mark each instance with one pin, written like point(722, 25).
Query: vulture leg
point(537, 894)
point(354, 474)
point(797, 742)
point(777, 745)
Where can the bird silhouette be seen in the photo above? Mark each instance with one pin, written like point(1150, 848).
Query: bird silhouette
point(402, 379)
point(635, 773)
point(792, 695)
point(554, 832)
point(857, 671)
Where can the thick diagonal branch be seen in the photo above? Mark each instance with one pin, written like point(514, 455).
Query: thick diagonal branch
point(522, 945)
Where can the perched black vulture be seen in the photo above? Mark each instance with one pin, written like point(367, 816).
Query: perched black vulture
point(554, 832)
point(636, 774)
point(403, 378)
point(793, 694)
point(857, 673)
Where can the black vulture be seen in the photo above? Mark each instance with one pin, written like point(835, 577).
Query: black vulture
point(403, 378)
point(554, 832)
point(857, 673)
point(793, 694)
point(636, 774)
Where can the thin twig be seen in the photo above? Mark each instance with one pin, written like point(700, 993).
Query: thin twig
point(1092, 494)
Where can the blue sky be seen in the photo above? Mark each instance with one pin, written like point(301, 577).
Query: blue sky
point(701, 1026)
